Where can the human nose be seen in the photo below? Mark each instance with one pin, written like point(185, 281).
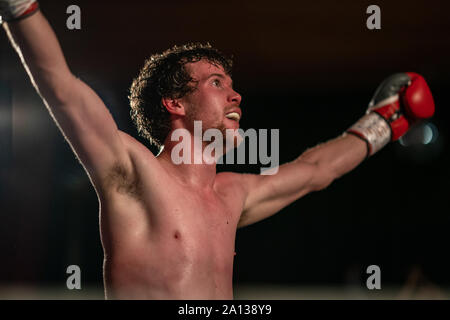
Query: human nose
point(235, 97)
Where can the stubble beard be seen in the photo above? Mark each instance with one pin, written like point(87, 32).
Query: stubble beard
point(193, 115)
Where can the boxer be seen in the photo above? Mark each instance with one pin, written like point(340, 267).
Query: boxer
point(168, 231)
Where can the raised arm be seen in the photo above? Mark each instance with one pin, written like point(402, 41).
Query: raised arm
point(79, 113)
point(400, 101)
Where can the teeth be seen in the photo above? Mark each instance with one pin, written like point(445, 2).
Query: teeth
point(233, 116)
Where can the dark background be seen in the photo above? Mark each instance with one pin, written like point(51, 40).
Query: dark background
point(306, 68)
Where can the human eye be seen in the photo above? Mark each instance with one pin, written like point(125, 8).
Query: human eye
point(216, 82)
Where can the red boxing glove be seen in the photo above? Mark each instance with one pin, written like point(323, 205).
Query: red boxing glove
point(399, 102)
point(11, 10)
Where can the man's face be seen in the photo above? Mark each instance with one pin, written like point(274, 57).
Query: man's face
point(214, 102)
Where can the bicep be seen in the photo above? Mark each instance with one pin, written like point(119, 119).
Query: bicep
point(268, 194)
point(90, 129)
point(79, 113)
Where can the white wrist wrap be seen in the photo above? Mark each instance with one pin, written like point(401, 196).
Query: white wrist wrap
point(14, 9)
point(374, 129)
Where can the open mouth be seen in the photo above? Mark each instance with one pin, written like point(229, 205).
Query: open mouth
point(233, 116)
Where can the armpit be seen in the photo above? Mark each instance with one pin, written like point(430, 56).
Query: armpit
point(124, 182)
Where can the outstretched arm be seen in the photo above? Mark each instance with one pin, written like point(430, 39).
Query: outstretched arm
point(400, 101)
point(79, 113)
point(314, 170)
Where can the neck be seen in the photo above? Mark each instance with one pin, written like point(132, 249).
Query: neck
point(185, 159)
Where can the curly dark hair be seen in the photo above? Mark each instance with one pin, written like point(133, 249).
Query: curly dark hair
point(165, 76)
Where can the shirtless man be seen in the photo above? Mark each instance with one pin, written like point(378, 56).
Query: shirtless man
point(177, 241)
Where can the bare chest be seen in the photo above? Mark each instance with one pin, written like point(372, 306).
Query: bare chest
point(203, 225)
point(192, 237)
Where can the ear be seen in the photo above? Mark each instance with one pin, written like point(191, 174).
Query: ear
point(174, 106)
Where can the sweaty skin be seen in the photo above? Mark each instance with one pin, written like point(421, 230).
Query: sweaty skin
point(180, 220)
point(173, 240)
point(168, 231)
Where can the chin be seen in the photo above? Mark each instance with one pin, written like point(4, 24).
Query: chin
point(231, 124)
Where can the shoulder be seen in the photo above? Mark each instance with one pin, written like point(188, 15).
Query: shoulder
point(242, 182)
point(225, 180)
point(130, 141)
point(237, 185)
point(136, 150)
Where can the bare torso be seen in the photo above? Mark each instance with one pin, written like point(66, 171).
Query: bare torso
point(165, 240)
